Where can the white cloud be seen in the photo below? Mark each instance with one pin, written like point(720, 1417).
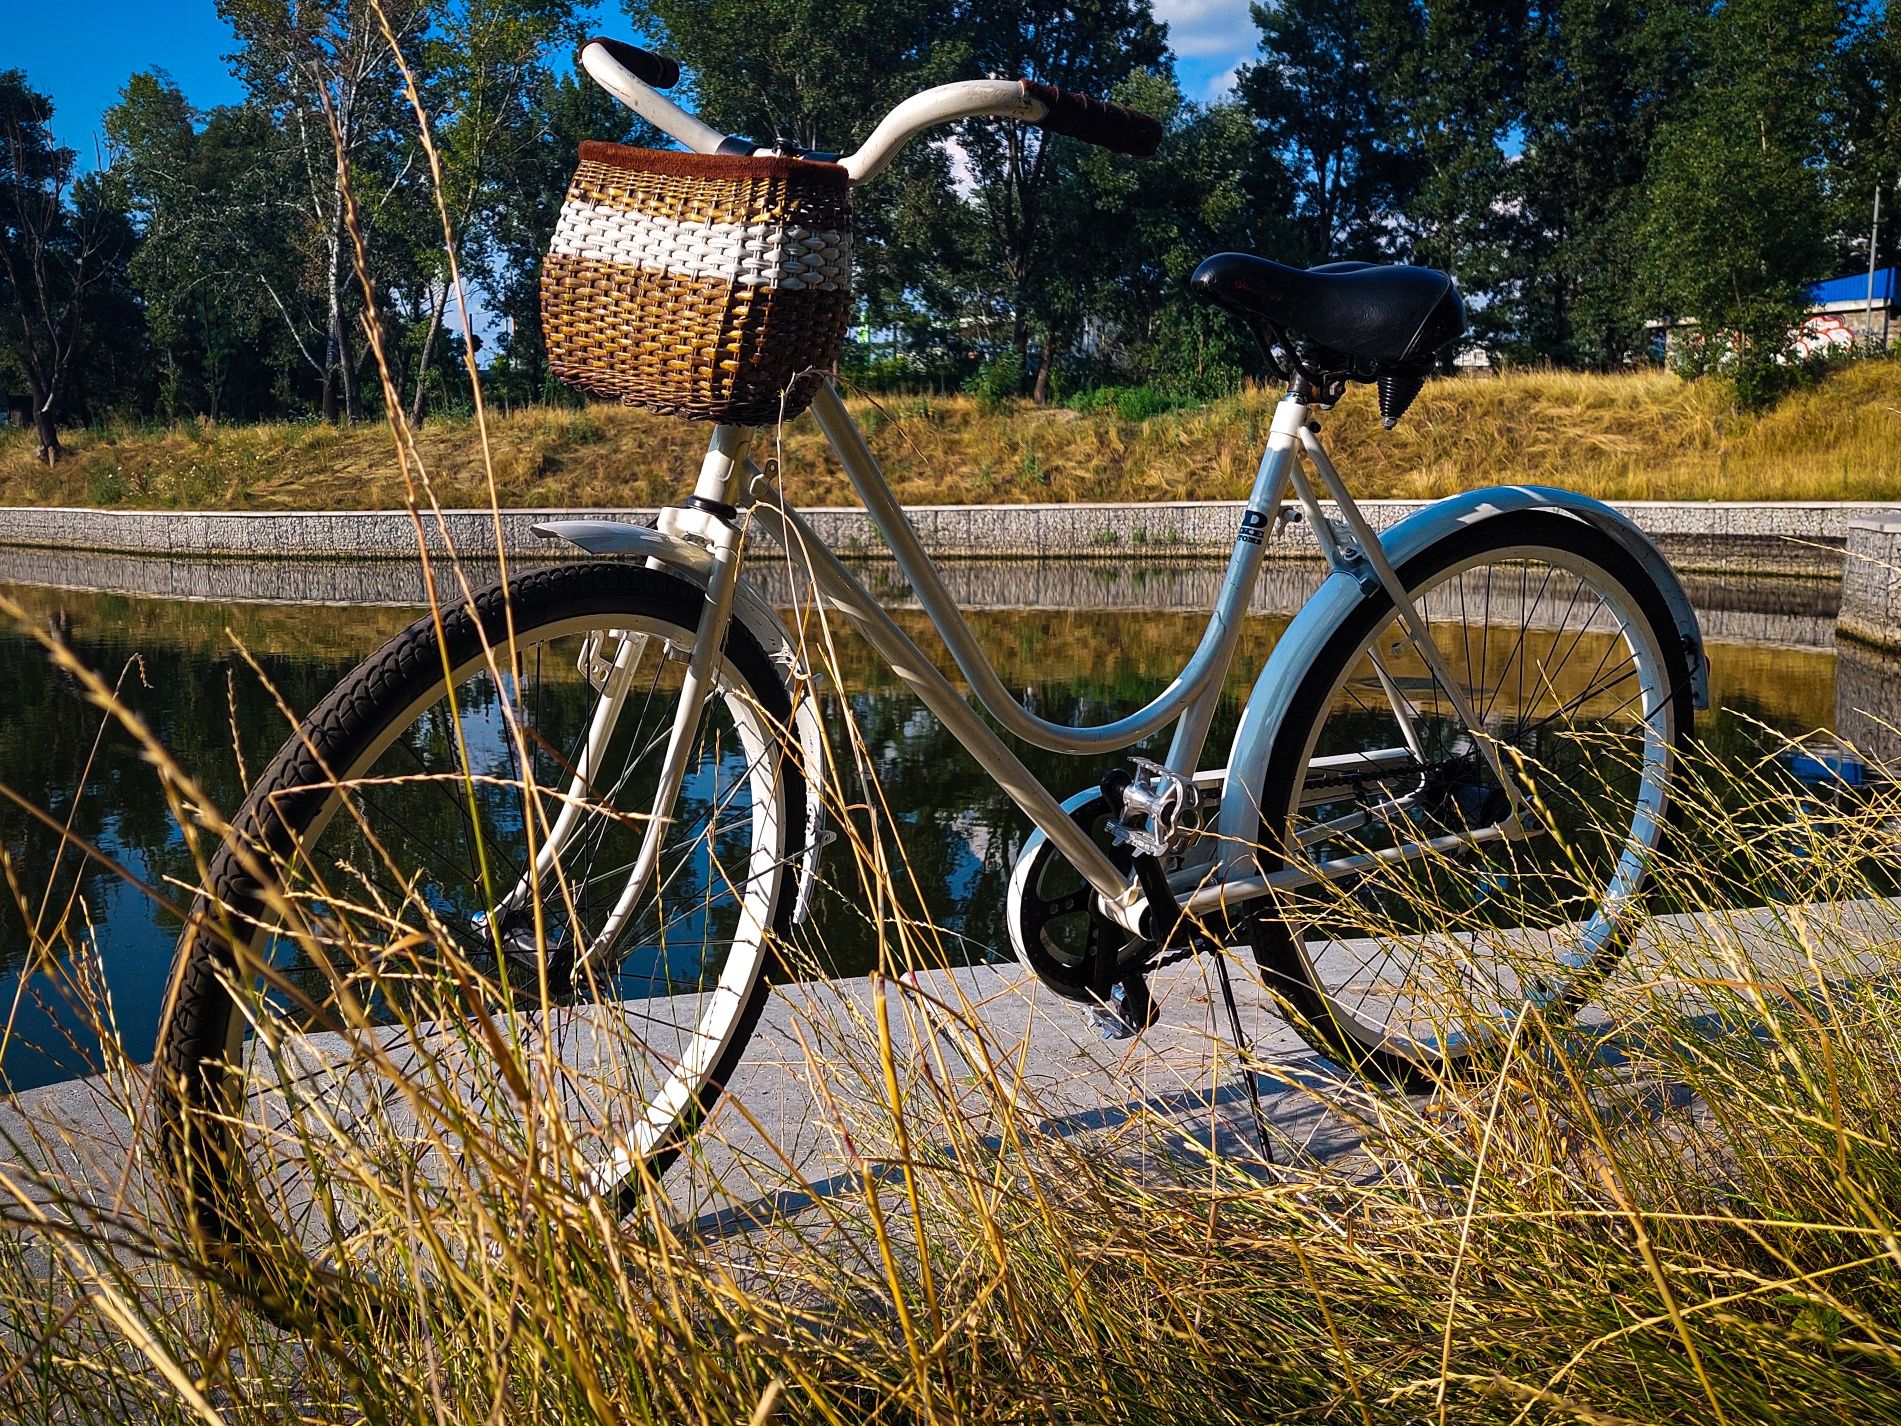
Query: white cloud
point(962, 178)
point(1222, 84)
point(1208, 29)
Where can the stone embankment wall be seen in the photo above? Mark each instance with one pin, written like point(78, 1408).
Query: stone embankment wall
point(1871, 584)
point(1769, 538)
point(1760, 610)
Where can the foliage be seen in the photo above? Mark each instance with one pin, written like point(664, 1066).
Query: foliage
point(1581, 166)
point(64, 244)
point(1734, 224)
point(1327, 119)
point(1039, 243)
point(997, 379)
point(1131, 403)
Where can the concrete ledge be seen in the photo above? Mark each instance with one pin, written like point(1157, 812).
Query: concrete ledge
point(1762, 610)
point(1871, 584)
point(1768, 537)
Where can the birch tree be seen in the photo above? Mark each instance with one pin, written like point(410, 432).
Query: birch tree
point(325, 71)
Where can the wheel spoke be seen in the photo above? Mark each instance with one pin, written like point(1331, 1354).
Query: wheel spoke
point(434, 821)
point(1430, 953)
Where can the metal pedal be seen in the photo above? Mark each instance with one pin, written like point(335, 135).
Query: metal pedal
point(1129, 1010)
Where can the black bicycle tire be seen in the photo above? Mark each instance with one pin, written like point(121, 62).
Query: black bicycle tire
point(1282, 965)
point(193, 1037)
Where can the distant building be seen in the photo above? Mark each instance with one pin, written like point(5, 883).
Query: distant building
point(1474, 361)
point(1844, 312)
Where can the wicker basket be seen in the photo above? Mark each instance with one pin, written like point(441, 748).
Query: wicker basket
point(712, 287)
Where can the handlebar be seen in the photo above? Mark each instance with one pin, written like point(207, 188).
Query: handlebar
point(1095, 121)
point(634, 76)
point(649, 68)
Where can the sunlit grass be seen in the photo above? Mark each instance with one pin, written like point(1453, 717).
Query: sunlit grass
point(1684, 1211)
point(1687, 1211)
point(1643, 436)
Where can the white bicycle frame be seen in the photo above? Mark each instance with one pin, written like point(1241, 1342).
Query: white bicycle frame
point(705, 541)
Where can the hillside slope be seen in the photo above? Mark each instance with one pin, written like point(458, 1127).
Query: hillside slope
point(1644, 436)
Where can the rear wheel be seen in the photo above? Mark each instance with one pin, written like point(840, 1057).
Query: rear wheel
point(1415, 920)
point(388, 988)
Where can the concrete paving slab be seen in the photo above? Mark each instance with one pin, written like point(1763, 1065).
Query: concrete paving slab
point(801, 1120)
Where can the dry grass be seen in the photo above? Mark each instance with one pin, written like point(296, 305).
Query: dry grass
point(1647, 436)
point(1687, 1216)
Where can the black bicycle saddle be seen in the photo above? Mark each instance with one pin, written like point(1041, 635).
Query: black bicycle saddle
point(1377, 316)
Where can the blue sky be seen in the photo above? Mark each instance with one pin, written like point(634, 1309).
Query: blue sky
point(82, 51)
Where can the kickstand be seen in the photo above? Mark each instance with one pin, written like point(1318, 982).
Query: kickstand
point(1243, 1050)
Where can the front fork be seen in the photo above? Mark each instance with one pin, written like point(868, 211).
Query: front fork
point(724, 538)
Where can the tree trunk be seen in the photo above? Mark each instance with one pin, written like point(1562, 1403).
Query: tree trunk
point(329, 399)
point(352, 379)
point(43, 427)
point(48, 434)
point(336, 355)
point(428, 349)
point(1044, 368)
point(1020, 344)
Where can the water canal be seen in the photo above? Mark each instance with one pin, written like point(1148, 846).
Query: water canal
point(1083, 640)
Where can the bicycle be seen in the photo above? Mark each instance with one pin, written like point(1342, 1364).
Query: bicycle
point(576, 813)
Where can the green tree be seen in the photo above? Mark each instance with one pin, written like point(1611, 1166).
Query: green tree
point(561, 112)
point(325, 72)
point(63, 246)
point(813, 73)
point(1600, 76)
point(1018, 172)
point(1323, 118)
point(1133, 231)
point(485, 63)
point(1736, 221)
point(216, 262)
point(1452, 72)
point(1868, 158)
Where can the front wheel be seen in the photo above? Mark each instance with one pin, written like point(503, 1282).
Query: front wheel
point(418, 959)
point(1416, 915)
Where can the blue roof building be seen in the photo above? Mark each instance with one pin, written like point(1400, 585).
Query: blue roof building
point(1844, 311)
point(1843, 314)
point(1840, 293)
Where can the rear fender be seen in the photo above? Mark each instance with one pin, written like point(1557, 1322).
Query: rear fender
point(693, 563)
point(1341, 593)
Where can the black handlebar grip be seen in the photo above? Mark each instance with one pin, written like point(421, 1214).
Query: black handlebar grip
point(652, 69)
point(1095, 121)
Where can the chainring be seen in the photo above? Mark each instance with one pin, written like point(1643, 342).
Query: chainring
point(1063, 940)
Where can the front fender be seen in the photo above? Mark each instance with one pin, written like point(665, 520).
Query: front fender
point(695, 565)
point(1340, 594)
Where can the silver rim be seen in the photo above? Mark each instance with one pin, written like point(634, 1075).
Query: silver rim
point(1427, 955)
point(414, 1047)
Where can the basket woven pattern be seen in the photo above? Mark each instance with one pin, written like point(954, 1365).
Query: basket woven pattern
point(699, 285)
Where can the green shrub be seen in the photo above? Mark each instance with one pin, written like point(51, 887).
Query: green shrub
point(997, 380)
point(1131, 403)
point(1138, 403)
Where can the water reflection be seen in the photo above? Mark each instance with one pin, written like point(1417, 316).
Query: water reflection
point(1063, 635)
